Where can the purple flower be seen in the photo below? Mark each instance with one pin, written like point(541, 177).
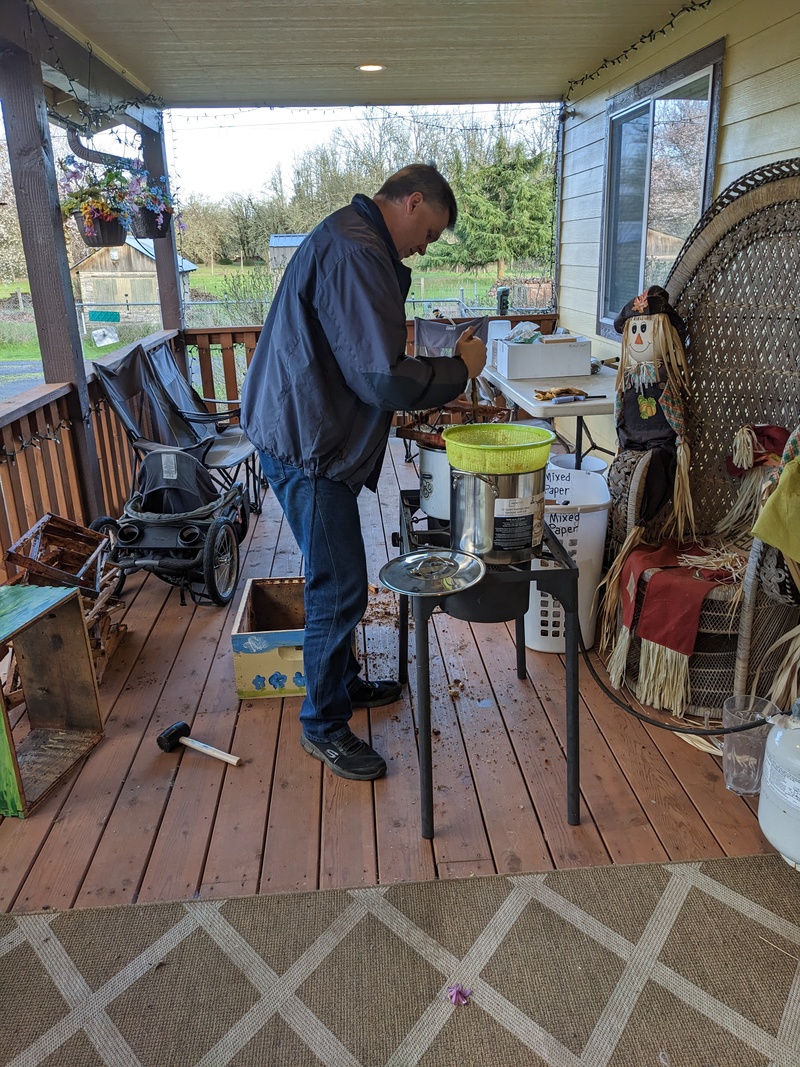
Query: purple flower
point(458, 994)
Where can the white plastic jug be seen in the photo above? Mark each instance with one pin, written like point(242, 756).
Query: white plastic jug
point(779, 801)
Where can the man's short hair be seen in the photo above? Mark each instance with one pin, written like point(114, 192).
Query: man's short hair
point(425, 179)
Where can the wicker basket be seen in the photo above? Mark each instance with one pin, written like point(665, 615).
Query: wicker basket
point(497, 449)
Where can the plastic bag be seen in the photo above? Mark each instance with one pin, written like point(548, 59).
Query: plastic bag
point(524, 333)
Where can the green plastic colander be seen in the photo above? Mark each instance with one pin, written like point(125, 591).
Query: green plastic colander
point(497, 448)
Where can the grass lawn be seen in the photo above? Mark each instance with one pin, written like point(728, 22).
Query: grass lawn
point(10, 288)
point(21, 350)
point(18, 339)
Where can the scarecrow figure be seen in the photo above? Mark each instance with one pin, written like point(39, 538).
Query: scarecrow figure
point(652, 464)
point(651, 402)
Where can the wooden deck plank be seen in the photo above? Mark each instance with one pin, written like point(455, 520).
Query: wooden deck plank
point(139, 814)
point(233, 863)
point(608, 798)
point(540, 754)
point(515, 837)
point(348, 848)
point(672, 814)
point(61, 866)
point(292, 846)
point(348, 851)
point(731, 819)
point(179, 853)
point(183, 825)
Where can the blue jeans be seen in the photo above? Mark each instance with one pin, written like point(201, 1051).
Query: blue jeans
point(326, 524)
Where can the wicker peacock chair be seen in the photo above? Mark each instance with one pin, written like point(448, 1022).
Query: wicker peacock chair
point(736, 285)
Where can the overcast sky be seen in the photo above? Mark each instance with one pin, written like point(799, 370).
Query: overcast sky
point(221, 152)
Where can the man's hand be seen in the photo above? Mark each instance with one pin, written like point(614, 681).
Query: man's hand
point(472, 351)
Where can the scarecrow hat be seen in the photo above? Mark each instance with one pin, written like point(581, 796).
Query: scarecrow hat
point(653, 301)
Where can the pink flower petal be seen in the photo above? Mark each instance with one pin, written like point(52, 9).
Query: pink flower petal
point(458, 994)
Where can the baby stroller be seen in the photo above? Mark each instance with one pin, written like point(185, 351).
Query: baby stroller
point(181, 527)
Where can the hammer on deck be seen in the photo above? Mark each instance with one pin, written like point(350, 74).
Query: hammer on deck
point(178, 734)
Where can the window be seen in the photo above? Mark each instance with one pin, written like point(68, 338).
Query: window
point(659, 175)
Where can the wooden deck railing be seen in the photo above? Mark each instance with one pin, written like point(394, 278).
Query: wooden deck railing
point(38, 470)
point(224, 353)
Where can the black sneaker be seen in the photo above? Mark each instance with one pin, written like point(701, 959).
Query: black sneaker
point(349, 757)
point(374, 694)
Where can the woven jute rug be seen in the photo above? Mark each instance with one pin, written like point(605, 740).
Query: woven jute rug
point(680, 965)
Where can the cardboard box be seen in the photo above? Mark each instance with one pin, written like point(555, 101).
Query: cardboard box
point(556, 356)
point(267, 639)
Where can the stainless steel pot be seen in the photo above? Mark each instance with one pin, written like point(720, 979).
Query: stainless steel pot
point(498, 517)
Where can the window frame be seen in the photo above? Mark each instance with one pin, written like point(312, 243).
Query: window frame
point(644, 92)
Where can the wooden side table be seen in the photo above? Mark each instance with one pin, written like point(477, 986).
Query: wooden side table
point(47, 628)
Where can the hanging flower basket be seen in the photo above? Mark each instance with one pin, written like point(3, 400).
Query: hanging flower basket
point(106, 234)
point(146, 223)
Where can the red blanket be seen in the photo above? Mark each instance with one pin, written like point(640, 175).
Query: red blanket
point(674, 595)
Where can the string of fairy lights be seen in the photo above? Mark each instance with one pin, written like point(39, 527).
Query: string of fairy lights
point(8, 454)
point(646, 38)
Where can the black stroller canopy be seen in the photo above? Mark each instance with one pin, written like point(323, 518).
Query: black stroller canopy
point(172, 482)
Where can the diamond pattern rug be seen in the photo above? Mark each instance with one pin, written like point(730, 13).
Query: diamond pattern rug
point(675, 965)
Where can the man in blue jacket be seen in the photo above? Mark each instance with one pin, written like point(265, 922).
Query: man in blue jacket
point(326, 376)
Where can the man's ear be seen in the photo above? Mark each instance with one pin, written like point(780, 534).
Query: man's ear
point(413, 201)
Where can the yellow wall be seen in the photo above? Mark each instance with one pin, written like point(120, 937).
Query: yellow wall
point(759, 124)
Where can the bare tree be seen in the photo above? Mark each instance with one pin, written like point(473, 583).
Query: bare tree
point(206, 224)
point(12, 255)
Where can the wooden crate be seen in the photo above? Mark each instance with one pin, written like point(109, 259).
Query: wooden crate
point(47, 629)
point(62, 551)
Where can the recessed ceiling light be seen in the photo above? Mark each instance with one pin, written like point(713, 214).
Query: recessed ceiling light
point(371, 68)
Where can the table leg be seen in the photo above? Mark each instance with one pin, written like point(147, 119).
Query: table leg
point(579, 443)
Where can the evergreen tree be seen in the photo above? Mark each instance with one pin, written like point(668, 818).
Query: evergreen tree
point(505, 211)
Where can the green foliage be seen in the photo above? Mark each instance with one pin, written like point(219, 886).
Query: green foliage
point(505, 211)
point(246, 295)
point(502, 172)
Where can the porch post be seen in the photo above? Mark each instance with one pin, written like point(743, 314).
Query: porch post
point(166, 253)
point(36, 190)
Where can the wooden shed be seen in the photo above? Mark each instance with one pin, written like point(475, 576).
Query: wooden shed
point(123, 279)
point(282, 246)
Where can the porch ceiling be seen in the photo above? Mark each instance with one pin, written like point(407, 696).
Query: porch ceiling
point(204, 53)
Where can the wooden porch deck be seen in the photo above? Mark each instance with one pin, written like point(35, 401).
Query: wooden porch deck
point(137, 824)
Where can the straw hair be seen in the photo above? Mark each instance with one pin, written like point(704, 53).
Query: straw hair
point(663, 680)
point(744, 447)
point(613, 594)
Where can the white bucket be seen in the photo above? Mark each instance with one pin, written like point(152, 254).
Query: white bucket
point(576, 508)
point(589, 463)
point(434, 482)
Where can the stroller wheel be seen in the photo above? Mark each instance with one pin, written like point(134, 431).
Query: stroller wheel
point(221, 561)
point(108, 526)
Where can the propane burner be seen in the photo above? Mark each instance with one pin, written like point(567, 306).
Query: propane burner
point(502, 593)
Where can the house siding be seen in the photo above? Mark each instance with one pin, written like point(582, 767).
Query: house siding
point(759, 124)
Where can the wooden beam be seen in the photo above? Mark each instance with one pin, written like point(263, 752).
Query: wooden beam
point(92, 86)
point(166, 253)
point(36, 190)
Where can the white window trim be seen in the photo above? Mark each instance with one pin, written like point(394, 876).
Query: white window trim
point(649, 90)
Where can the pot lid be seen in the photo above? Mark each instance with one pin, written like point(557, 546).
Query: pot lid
point(432, 572)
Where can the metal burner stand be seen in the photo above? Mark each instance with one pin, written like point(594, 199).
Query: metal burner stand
point(560, 582)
